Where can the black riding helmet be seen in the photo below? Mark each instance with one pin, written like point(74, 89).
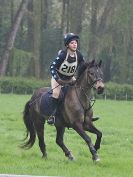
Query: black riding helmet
point(69, 37)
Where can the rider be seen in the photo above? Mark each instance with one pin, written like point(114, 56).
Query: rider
point(63, 68)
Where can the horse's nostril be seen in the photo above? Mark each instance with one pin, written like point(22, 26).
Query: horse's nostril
point(100, 90)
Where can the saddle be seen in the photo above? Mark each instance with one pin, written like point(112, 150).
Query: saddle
point(46, 107)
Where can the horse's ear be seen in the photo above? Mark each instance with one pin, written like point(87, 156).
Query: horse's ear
point(91, 63)
point(100, 63)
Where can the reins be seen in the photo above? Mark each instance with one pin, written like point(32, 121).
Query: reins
point(88, 98)
point(37, 98)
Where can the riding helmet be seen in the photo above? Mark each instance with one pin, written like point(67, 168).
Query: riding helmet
point(69, 37)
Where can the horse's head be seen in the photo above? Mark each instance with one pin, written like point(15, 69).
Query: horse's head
point(92, 75)
point(95, 76)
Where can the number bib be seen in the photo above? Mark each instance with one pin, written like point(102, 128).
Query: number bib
point(68, 69)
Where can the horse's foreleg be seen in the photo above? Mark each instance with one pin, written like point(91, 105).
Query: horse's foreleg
point(59, 141)
point(78, 127)
point(91, 128)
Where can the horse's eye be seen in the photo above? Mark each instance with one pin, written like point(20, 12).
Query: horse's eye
point(92, 74)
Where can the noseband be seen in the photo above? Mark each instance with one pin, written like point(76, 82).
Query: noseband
point(93, 83)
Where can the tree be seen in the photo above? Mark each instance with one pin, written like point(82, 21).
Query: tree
point(12, 35)
point(93, 29)
point(62, 26)
point(76, 15)
point(36, 37)
point(99, 23)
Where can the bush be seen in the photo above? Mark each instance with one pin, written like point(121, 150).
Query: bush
point(27, 86)
point(116, 91)
point(20, 85)
point(119, 91)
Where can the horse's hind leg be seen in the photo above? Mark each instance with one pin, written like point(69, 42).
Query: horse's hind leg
point(91, 128)
point(39, 125)
point(59, 141)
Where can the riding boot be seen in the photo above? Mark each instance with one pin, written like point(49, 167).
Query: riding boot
point(54, 104)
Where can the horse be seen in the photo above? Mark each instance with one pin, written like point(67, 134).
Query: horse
point(75, 111)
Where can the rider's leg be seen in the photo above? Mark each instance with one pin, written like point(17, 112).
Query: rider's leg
point(56, 91)
point(56, 88)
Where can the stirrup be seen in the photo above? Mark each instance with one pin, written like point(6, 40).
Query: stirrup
point(51, 120)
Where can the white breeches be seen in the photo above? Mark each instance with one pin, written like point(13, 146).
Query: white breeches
point(55, 87)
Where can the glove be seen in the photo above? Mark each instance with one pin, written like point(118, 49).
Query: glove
point(63, 82)
point(72, 82)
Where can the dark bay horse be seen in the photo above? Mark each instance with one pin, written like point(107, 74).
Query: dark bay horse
point(74, 112)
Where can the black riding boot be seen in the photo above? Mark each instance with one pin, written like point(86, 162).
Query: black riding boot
point(54, 102)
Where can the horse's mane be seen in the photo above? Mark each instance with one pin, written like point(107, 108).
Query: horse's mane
point(81, 69)
point(85, 65)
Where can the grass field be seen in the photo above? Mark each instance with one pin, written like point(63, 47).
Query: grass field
point(116, 151)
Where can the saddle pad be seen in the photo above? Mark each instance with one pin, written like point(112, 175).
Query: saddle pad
point(46, 106)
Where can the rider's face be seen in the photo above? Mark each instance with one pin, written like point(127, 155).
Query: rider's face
point(73, 45)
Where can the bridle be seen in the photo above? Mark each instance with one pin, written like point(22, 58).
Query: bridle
point(88, 98)
point(90, 86)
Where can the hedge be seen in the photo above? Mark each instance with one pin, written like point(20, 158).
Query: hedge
point(21, 85)
point(27, 86)
point(117, 91)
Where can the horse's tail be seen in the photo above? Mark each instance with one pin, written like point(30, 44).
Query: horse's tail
point(29, 124)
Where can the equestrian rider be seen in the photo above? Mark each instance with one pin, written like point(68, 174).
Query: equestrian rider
point(64, 67)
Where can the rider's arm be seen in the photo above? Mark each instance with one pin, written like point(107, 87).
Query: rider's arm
point(56, 64)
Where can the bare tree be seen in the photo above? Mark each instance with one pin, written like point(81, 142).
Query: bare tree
point(76, 15)
point(11, 37)
point(93, 28)
point(98, 25)
point(36, 37)
point(44, 14)
point(62, 21)
point(67, 15)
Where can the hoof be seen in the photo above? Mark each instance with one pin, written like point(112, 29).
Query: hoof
point(96, 158)
point(45, 156)
point(71, 157)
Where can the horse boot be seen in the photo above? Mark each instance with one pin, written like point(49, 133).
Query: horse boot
point(54, 104)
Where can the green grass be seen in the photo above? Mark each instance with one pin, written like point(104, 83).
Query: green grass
point(116, 149)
